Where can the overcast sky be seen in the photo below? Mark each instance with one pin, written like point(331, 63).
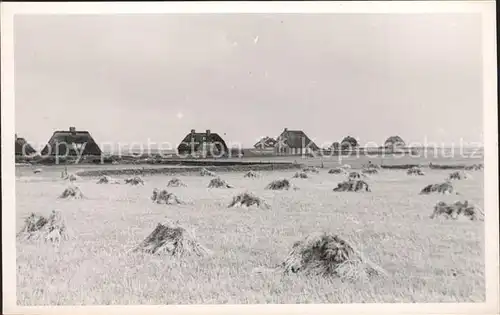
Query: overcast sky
point(133, 78)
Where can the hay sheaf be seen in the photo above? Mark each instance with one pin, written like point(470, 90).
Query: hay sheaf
point(353, 185)
point(300, 175)
point(371, 166)
point(173, 240)
point(280, 184)
point(175, 182)
point(107, 180)
point(415, 171)
point(251, 174)
point(474, 167)
point(329, 256)
point(218, 183)
point(134, 181)
point(246, 200)
point(310, 169)
point(356, 175)
point(71, 192)
point(205, 172)
point(369, 170)
point(442, 188)
point(458, 175)
point(36, 227)
point(337, 170)
point(165, 197)
point(454, 210)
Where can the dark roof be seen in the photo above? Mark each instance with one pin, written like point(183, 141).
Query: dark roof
point(394, 141)
point(22, 147)
point(349, 142)
point(296, 139)
point(62, 138)
point(198, 139)
point(265, 142)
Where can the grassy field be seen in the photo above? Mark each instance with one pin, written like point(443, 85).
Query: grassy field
point(427, 260)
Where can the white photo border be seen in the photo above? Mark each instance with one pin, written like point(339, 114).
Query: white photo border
point(485, 8)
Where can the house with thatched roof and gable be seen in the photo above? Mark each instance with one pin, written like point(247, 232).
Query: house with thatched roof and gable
point(72, 142)
point(22, 147)
point(294, 142)
point(349, 143)
point(394, 142)
point(204, 144)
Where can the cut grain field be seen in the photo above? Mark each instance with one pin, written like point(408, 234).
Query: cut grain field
point(427, 260)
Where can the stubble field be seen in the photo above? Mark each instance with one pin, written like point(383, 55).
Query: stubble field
point(428, 260)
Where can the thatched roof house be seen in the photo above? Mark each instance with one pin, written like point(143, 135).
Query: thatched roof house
point(394, 142)
point(349, 142)
point(204, 143)
point(265, 143)
point(71, 142)
point(22, 147)
point(294, 142)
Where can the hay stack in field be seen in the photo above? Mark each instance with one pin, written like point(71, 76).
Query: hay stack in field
point(474, 167)
point(458, 175)
point(246, 200)
point(353, 185)
point(300, 175)
point(310, 169)
point(134, 181)
point(107, 180)
point(458, 208)
point(175, 182)
point(218, 183)
point(51, 229)
point(355, 175)
point(415, 171)
point(173, 240)
point(328, 255)
point(280, 184)
point(205, 172)
point(371, 165)
point(442, 188)
point(72, 192)
point(369, 171)
point(337, 170)
point(164, 197)
point(251, 174)
point(38, 170)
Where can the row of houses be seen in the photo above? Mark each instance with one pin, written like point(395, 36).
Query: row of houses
point(297, 142)
point(62, 142)
point(289, 142)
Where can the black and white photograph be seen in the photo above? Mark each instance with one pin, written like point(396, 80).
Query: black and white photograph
point(233, 154)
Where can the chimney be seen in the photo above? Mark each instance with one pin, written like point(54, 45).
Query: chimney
point(72, 130)
point(286, 129)
point(208, 134)
point(192, 132)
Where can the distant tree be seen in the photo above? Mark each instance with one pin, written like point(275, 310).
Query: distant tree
point(394, 142)
point(335, 146)
point(349, 143)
